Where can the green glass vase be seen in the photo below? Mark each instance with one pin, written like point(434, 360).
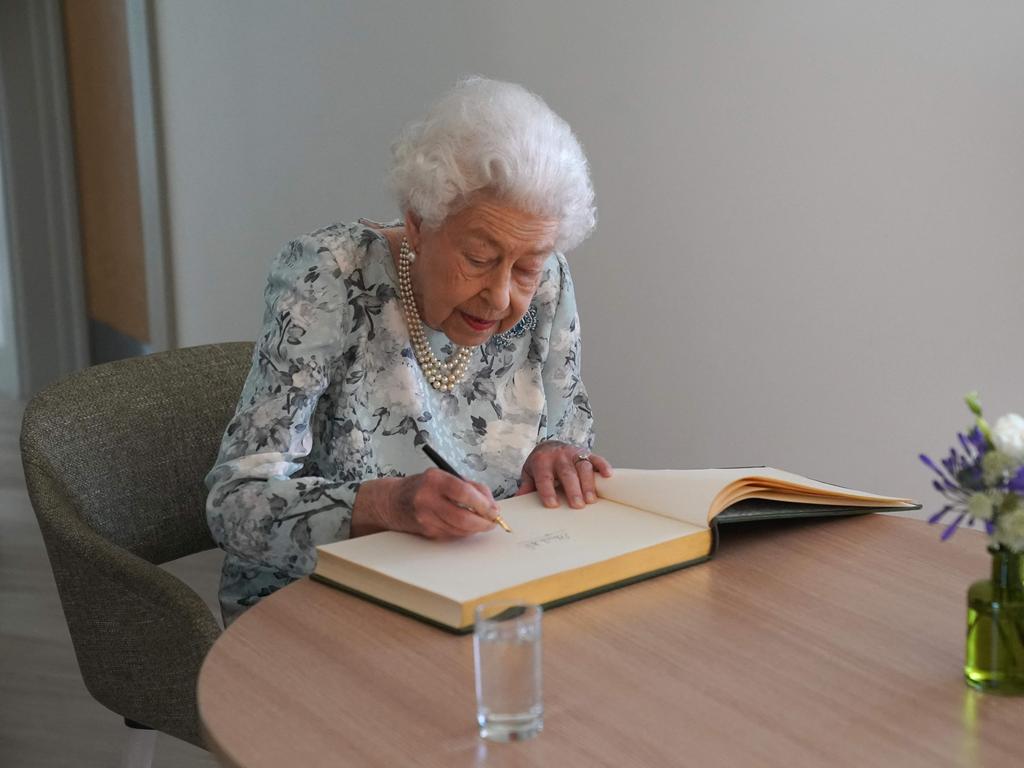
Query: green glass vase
point(994, 661)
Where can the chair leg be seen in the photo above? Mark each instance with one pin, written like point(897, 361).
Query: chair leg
point(139, 747)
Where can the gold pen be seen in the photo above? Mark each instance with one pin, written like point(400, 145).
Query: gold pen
point(444, 465)
point(499, 519)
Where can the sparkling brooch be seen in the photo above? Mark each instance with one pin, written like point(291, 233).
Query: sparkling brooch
point(526, 323)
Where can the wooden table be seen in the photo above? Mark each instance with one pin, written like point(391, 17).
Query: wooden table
point(812, 643)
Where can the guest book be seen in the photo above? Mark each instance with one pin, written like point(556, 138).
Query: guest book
point(644, 523)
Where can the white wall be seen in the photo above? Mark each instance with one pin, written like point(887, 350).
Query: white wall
point(811, 221)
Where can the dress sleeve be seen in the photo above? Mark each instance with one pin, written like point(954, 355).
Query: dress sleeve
point(261, 509)
point(569, 417)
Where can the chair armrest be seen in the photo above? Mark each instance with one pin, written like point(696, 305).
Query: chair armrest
point(140, 634)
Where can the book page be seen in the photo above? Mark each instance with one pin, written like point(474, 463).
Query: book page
point(696, 495)
point(779, 477)
point(768, 483)
point(681, 494)
point(544, 542)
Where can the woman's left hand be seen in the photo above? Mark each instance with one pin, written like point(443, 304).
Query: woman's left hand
point(569, 466)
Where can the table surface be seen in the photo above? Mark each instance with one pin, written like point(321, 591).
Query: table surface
point(826, 642)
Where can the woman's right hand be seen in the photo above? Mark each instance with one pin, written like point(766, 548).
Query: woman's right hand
point(431, 504)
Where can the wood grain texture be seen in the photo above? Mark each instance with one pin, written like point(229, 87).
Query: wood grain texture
point(812, 643)
point(99, 80)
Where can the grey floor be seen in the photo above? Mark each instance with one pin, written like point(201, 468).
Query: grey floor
point(47, 718)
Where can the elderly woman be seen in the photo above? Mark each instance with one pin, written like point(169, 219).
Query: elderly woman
point(454, 327)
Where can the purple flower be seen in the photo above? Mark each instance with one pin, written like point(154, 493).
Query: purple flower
point(977, 439)
point(1016, 483)
point(959, 476)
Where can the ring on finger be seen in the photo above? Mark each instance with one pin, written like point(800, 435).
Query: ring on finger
point(582, 457)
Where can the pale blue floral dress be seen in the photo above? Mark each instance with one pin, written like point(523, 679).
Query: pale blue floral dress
point(335, 397)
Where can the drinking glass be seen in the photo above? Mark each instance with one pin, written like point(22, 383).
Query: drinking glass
point(507, 660)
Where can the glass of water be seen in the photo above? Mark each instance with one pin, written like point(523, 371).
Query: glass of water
point(507, 658)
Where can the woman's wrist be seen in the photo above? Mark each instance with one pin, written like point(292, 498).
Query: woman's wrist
point(373, 502)
point(559, 442)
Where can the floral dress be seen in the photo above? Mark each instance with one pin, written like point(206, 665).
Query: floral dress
point(335, 397)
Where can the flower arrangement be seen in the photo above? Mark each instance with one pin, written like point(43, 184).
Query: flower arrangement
point(982, 479)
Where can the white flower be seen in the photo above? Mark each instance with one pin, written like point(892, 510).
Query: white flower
point(1008, 435)
point(980, 506)
point(305, 379)
point(1010, 530)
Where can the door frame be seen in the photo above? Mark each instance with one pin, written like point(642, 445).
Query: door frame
point(149, 157)
point(40, 193)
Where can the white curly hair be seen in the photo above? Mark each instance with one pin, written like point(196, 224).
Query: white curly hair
point(497, 137)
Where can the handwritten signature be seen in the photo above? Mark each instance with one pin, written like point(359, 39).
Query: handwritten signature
point(547, 538)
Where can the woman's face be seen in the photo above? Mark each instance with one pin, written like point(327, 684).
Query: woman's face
point(476, 274)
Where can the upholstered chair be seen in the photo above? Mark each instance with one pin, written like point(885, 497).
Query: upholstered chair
point(114, 459)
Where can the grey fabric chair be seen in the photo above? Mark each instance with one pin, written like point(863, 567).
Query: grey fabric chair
point(114, 459)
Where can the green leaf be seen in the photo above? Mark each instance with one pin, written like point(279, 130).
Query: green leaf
point(985, 430)
point(973, 403)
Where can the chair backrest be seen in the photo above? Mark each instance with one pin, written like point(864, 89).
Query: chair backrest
point(114, 459)
point(130, 443)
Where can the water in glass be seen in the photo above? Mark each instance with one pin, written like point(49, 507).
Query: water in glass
point(507, 654)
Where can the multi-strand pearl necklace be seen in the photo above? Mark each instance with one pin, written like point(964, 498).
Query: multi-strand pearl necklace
point(442, 376)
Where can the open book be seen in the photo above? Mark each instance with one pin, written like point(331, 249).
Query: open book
point(644, 523)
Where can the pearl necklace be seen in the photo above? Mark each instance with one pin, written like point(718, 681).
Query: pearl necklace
point(442, 376)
